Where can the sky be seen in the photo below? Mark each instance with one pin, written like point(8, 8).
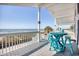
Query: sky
point(21, 17)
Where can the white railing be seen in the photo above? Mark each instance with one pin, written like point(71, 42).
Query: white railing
point(11, 42)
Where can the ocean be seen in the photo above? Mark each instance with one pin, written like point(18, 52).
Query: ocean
point(3, 31)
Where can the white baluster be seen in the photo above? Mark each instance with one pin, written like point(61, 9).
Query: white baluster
point(2, 46)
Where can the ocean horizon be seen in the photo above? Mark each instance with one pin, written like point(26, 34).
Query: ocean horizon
point(3, 31)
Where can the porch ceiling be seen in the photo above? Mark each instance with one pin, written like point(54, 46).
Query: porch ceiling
point(63, 12)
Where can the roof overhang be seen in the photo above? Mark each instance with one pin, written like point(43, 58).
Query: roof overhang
point(63, 12)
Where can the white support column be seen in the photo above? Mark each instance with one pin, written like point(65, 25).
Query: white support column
point(76, 21)
point(38, 24)
point(77, 27)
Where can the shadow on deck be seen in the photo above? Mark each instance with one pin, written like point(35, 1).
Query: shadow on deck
point(36, 47)
point(44, 51)
point(67, 51)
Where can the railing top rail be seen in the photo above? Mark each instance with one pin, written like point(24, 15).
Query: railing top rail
point(15, 33)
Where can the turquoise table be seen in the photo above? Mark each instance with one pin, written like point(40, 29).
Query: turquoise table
point(58, 42)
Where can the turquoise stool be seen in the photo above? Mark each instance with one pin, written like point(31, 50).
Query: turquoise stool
point(68, 38)
point(54, 39)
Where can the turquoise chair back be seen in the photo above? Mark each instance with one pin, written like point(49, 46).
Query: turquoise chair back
point(54, 42)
